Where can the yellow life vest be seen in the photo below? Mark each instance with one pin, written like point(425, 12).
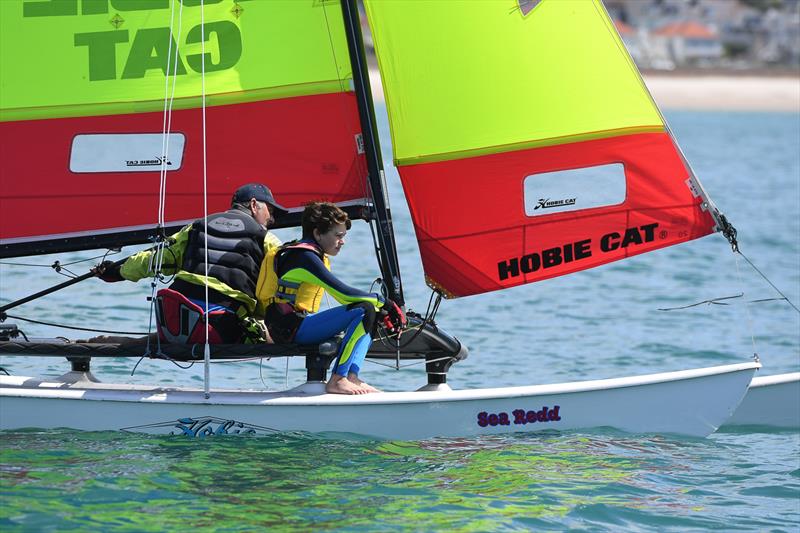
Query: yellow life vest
point(302, 296)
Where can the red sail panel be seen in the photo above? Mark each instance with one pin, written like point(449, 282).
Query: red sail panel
point(304, 148)
point(475, 236)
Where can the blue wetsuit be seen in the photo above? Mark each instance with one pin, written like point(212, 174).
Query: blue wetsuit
point(297, 266)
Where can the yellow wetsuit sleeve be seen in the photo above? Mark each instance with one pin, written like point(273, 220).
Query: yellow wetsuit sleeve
point(140, 265)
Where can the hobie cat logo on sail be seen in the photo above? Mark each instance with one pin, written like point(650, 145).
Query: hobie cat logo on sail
point(546, 203)
point(577, 251)
point(156, 162)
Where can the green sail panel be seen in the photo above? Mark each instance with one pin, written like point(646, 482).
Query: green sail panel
point(557, 74)
point(69, 58)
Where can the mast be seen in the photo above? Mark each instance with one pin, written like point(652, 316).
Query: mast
point(387, 251)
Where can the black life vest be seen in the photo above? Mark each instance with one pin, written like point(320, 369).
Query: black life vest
point(235, 249)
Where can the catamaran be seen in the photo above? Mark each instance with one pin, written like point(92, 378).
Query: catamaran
point(124, 93)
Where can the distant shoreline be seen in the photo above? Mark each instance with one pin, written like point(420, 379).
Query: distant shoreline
point(717, 91)
point(725, 92)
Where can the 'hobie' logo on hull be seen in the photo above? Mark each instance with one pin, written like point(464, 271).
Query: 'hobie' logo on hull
point(201, 427)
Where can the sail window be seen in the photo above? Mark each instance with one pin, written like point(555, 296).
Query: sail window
point(574, 189)
point(125, 152)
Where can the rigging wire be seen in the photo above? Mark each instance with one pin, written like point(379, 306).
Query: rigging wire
point(747, 311)
point(783, 296)
point(430, 314)
point(76, 328)
point(157, 258)
point(715, 301)
point(58, 264)
point(260, 373)
point(207, 348)
point(61, 268)
point(23, 335)
point(169, 99)
point(416, 363)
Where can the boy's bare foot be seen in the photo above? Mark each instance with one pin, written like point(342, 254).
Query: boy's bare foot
point(341, 385)
point(363, 384)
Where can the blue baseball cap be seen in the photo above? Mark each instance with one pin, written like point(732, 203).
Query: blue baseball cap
point(259, 191)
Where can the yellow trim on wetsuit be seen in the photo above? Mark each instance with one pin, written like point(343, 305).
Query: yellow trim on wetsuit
point(348, 348)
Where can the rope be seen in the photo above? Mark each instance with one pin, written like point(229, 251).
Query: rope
point(747, 312)
point(169, 99)
point(430, 314)
point(57, 265)
point(783, 296)
point(207, 349)
point(421, 362)
point(76, 328)
point(260, 373)
point(157, 258)
point(715, 301)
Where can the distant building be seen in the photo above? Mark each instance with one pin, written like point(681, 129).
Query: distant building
point(689, 43)
point(737, 34)
point(632, 41)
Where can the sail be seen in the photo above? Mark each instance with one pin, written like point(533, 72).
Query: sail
point(82, 98)
point(527, 144)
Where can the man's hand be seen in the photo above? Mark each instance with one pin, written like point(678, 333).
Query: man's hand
point(108, 271)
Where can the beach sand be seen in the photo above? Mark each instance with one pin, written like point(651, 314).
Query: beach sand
point(713, 93)
point(726, 93)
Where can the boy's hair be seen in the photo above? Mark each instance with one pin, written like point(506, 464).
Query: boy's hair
point(322, 216)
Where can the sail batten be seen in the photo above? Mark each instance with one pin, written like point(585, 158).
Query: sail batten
point(432, 158)
point(188, 102)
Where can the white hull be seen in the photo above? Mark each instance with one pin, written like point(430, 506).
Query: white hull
point(690, 402)
point(771, 401)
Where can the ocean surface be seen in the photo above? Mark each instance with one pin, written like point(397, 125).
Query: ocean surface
point(596, 324)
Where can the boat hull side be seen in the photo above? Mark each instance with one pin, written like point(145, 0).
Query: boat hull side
point(772, 401)
point(694, 406)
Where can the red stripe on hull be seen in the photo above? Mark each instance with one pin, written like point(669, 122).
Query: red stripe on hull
point(304, 148)
point(475, 237)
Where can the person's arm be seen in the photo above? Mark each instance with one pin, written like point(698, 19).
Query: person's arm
point(311, 269)
point(139, 265)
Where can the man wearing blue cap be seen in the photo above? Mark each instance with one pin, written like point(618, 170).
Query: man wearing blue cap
point(237, 241)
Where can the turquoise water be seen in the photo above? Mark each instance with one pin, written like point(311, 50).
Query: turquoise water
point(595, 324)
